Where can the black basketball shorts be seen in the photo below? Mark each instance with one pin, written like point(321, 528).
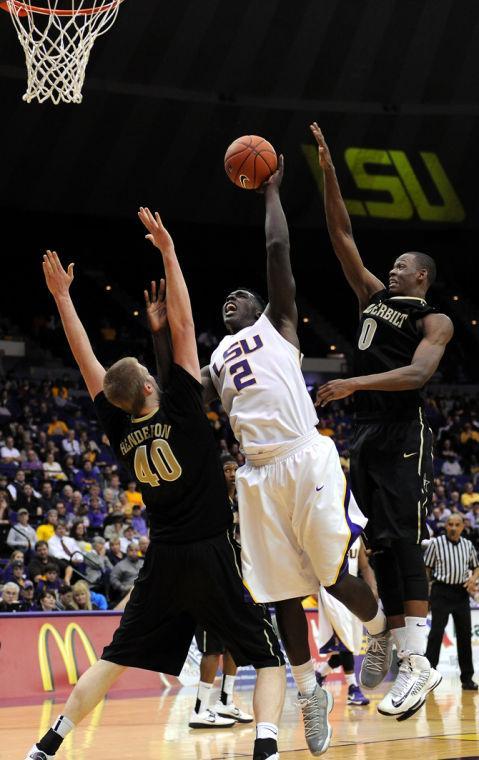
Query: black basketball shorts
point(392, 479)
point(208, 643)
point(180, 587)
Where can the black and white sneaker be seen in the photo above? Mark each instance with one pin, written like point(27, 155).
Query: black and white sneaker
point(209, 719)
point(415, 680)
point(265, 749)
point(36, 754)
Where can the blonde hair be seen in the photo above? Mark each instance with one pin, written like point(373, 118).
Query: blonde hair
point(124, 385)
point(81, 587)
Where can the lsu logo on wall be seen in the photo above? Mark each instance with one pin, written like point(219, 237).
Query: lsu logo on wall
point(397, 179)
point(66, 646)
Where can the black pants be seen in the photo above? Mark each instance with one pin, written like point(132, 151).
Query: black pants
point(451, 600)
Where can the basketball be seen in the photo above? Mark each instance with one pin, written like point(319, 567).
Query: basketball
point(250, 161)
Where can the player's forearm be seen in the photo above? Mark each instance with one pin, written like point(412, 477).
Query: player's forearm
point(281, 285)
point(75, 332)
point(163, 354)
point(402, 379)
point(180, 316)
point(276, 226)
point(337, 217)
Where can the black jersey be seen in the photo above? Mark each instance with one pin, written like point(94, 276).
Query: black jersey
point(172, 453)
point(389, 333)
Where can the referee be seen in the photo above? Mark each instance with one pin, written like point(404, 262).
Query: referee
point(448, 559)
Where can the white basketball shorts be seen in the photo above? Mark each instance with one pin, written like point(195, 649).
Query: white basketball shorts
point(297, 519)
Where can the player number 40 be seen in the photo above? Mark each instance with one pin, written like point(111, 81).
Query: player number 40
point(367, 333)
point(163, 460)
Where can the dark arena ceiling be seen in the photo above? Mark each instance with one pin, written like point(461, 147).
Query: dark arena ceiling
point(394, 84)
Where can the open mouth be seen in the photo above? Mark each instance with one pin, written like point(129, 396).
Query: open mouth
point(230, 308)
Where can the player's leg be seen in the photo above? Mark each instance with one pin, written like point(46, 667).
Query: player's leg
point(93, 685)
point(225, 706)
point(440, 611)
point(355, 695)
point(202, 716)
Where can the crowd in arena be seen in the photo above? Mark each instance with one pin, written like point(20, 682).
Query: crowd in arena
point(72, 528)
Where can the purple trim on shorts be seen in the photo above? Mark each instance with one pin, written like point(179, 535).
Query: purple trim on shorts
point(355, 529)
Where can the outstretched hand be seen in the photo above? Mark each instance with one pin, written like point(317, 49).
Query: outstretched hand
point(276, 178)
point(334, 390)
point(156, 306)
point(158, 234)
point(58, 281)
point(324, 155)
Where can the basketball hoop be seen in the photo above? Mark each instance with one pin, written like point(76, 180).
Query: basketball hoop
point(57, 42)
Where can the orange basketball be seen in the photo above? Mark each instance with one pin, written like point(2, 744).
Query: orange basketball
point(250, 161)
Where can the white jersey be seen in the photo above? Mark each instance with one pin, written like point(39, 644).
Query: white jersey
point(257, 374)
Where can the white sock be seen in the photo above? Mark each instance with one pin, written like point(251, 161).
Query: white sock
point(416, 634)
point(266, 731)
point(305, 678)
point(203, 697)
point(324, 668)
point(63, 726)
point(378, 624)
point(399, 638)
point(227, 687)
point(350, 679)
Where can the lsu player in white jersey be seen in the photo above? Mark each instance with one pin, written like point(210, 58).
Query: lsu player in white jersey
point(340, 633)
point(298, 518)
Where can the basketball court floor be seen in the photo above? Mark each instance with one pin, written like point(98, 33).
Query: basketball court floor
point(156, 728)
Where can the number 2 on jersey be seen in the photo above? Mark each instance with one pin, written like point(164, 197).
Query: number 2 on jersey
point(164, 461)
point(367, 333)
point(242, 374)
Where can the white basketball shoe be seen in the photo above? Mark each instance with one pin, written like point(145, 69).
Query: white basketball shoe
point(416, 678)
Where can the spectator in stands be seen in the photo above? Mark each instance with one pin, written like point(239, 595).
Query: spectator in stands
point(22, 535)
point(51, 582)
point(79, 533)
point(65, 601)
point(133, 496)
point(15, 488)
point(10, 598)
point(455, 501)
point(106, 455)
point(9, 454)
point(81, 597)
point(16, 556)
point(127, 537)
point(46, 530)
point(66, 551)
point(33, 462)
point(115, 526)
point(27, 597)
point(115, 486)
point(138, 522)
point(94, 492)
point(70, 445)
point(143, 544)
point(52, 469)
point(95, 514)
point(114, 552)
point(469, 496)
point(57, 427)
point(4, 490)
point(27, 500)
point(48, 498)
point(42, 558)
point(125, 573)
point(4, 511)
point(19, 575)
point(98, 566)
point(48, 601)
point(87, 475)
point(69, 468)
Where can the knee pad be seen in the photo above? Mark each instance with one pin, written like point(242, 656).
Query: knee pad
point(334, 661)
point(347, 661)
point(412, 569)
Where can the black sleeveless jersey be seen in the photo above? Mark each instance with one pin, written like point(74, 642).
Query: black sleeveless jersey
point(172, 454)
point(389, 333)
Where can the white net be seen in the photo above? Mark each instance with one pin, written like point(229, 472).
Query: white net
point(57, 39)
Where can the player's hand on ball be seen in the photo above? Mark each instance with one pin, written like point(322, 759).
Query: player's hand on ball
point(158, 234)
point(333, 391)
point(58, 281)
point(276, 178)
point(324, 155)
point(156, 306)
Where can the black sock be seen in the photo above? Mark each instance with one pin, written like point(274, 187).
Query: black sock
point(264, 748)
point(50, 743)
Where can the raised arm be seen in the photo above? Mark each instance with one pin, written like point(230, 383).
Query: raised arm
point(58, 282)
point(438, 331)
point(210, 393)
point(362, 281)
point(180, 317)
point(281, 309)
point(159, 328)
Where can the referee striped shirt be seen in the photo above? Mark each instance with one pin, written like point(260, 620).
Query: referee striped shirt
point(450, 561)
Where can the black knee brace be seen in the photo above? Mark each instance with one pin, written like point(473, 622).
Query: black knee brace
point(334, 661)
point(388, 577)
point(347, 661)
point(412, 569)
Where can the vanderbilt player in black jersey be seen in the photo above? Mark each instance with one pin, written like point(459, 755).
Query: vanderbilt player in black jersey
point(401, 340)
point(191, 571)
